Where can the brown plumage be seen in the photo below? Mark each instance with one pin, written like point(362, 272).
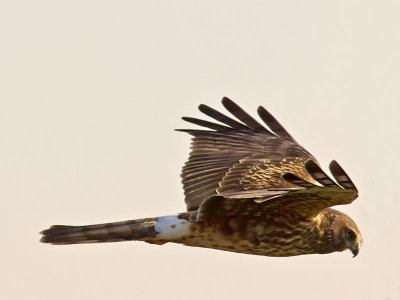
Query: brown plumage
point(248, 189)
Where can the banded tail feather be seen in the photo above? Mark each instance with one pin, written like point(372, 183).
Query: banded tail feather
point(152, 230)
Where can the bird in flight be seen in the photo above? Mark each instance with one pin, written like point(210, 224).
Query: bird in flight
point(249, 188)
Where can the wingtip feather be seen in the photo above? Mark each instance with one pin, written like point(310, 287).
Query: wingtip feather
point(341, 176)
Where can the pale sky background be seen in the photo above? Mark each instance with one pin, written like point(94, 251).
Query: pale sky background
point(90, 94)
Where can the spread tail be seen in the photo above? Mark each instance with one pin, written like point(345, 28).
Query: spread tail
point(140, 229)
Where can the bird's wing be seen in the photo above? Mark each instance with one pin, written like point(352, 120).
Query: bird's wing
point(240, 158)
point(307, 201)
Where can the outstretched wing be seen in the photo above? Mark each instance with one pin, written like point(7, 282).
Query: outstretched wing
point(307, 201)
point(240, 159)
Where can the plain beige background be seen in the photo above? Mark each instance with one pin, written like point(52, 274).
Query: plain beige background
point(92, 90)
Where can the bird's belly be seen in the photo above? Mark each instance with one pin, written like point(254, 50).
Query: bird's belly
point(260, 238)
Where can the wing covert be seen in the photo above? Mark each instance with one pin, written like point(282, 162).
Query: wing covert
point(307, 200)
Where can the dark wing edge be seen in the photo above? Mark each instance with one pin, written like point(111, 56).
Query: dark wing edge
point(315, 171)
point(341, 177)
point(248, 123)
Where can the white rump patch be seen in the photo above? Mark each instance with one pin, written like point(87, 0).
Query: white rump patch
point(171, 227)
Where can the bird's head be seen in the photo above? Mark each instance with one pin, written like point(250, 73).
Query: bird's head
point(346, 235)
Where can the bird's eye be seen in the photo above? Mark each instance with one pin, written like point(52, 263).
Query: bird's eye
point(350, 234)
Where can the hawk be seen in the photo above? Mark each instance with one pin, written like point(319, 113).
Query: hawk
point(249, 188)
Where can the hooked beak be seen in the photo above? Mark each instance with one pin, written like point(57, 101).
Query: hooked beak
point(355, 248)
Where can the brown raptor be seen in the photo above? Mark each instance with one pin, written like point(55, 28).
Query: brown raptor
point(249, 188)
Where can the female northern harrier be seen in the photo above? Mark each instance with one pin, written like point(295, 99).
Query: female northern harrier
point(248, 189)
